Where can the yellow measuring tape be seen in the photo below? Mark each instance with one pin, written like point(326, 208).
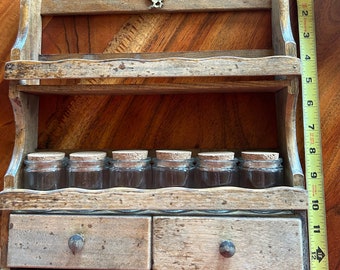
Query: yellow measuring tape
point(317, 230)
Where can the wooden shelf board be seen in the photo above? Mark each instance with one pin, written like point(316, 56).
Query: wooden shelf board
point(158, 88)
point(177, 66)
point(157, 55)
point(174, 198)
point(51, 7)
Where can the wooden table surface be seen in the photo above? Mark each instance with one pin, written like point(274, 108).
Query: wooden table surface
point(161, 115)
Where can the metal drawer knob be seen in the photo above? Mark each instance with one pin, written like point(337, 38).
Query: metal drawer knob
point(76, 243)
point(227, 249)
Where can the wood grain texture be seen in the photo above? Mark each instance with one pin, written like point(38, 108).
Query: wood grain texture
point(109, 242)
point(174, 198)
point(161, 114)
point(182, 66)
point(131, 6)
point(328, 50)
point(9, 17)
point(193, 243)
point(56, 110)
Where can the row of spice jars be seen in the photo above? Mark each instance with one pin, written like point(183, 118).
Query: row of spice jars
point(133, 168)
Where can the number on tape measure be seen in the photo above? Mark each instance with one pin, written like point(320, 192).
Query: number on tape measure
point(312, 137)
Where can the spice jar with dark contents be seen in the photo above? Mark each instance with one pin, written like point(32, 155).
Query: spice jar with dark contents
point(216, 169)
point(130, 168)
point(87, 169)
point(260, 170)
point(45, 171)
point(172, 168)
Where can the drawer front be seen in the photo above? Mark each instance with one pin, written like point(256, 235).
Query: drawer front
point(67, 241)
point(259, 243)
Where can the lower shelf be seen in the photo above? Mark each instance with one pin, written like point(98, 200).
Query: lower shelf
point(174, 198)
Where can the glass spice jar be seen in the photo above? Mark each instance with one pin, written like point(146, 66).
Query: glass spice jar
point(130, 168)
point(172, 168)
point(87, 169)
point(216, 169)
point(45, 171)
point(260, 170)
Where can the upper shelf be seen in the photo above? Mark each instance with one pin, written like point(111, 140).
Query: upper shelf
point(137, 66)
point(27, 63)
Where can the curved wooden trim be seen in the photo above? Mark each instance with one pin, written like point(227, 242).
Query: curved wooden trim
point(221, 198)
point(28, 42)
point(22, 35)
point(25, 109)
point(291, 139)
point(286, 100)
point(283, 39)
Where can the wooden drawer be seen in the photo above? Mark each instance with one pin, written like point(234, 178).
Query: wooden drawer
point(260, 243)
point(110, 242)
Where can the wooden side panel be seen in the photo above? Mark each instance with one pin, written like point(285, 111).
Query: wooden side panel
point(25, 107)
point(193, 243)
point(4, 218)
point(109, 242)
point(286, 103)
point(282, 35)
point(28, 42)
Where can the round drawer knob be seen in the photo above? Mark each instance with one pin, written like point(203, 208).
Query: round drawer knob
point(76, 243)
point(227, 249)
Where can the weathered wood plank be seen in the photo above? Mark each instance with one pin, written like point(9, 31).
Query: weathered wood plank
point(193, 243)
point(282, 35)
point(157, 55)
point(109, 242)
point(286, 103)
point(4, 222)
point(161, 88)
point(25, 107)
point(221, 198)
point(164, 67)
point(57, 7)
point(28, 42)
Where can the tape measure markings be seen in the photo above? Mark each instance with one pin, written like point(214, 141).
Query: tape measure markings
point(317, 229)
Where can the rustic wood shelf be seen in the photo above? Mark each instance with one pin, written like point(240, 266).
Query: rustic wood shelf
point(50, 7)
point(162, 67)
point(175, 198)
point(32, 74)
point(158, 88)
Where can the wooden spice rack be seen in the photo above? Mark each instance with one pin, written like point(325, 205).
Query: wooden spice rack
point(28, 66)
